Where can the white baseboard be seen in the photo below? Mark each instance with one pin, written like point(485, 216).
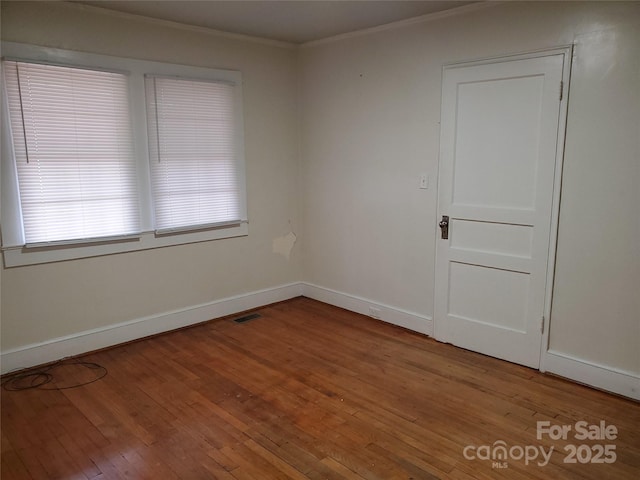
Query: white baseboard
point(89, 340)
point(623, 383)
point(616, 381)
point(389, 314)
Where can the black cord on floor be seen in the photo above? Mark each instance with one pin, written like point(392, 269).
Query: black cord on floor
point(44, 377)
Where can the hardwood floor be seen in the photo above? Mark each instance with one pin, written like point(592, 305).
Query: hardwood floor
point(305, 391)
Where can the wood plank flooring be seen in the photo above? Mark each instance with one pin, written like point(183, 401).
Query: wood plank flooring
point(307, 391)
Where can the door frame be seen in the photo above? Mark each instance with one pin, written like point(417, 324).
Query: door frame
point(567, 53)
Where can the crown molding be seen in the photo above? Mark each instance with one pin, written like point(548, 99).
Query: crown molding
point(429, 17)
point(183, 26)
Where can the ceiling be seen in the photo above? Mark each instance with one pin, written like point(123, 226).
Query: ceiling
point(288, 21)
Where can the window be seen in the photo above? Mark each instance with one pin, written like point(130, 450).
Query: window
point(73, 152)
point(105, 155)
point(192, 153)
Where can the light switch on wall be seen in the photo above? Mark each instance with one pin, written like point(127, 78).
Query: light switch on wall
point(424, 181)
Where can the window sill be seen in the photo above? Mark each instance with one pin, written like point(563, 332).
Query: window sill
point(21, 256)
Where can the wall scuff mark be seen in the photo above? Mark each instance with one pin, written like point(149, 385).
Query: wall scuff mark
point(284, 245)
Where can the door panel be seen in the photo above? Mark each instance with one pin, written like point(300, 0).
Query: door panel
point(499, 137)
point(508, 113)
point(489, 237)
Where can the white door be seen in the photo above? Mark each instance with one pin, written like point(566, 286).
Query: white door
point(499, 144)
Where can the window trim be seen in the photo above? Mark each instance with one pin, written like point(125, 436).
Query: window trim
point(15, 251)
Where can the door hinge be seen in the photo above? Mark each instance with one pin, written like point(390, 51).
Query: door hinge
point(542, 325)
point(561, 89)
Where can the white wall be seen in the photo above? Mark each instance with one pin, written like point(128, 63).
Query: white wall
point(366, 128)
point(371, 106)
point(596, 307)
point(43, 302)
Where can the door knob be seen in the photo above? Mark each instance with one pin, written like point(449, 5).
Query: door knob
point(444, 227)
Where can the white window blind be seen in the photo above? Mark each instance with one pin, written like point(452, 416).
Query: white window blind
point(193, 154)
point(74, 153)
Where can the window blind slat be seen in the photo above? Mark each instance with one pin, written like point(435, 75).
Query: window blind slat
point(74, 151)
point(192, 152)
